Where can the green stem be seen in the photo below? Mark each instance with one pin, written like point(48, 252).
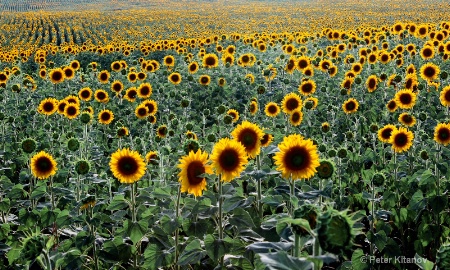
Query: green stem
point(296, 245)
point(177, 214)
point(316, 252)
point(52, 196)
point(220, 216)
point(133, 202)
point(292, 190)
point(258, 186)
point(373, 217)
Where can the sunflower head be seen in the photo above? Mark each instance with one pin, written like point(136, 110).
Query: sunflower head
point(325, 169)
point(249, 135)
point(43, 165)
point(401, 140)
point(442, 134)
point(384, 134)
point(127, 166)
point(291, 102)
point(335, 231)
point(229, 158)
point(29, 145)
point(350, 106)
point(82, 167)
point(298, 157)
point(192, 166)
point(405, 98)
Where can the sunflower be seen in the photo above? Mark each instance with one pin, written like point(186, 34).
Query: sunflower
point(131, 94)
point(105, 117)
point(325, 64)
point(371, 83)
point(392, 105)
point(266, 139)
point(229, 158)
point(169, 61)
point(132, 77)
point(144, 91)
point(101, 96)
point(401, 139)
point(228, 59)
point(303, 62)
point(210, 60)
point(69, 73)
point(117, 87)
point(193, 67)
point(85, 94)
point(71, 111)
point(442, 133)
point(127, 166)
point(56, 75)
point(298, 158)
point(103, 76)
point(427, 52)
point(272, 109)
point(411, 81)
point(405, 99)
point(191, 167)
point(151, 157)
point(307, 87)
point(162, 131)
point(43, 73)
point(48, 106)
point(296, 117)
point(116, 66)
point(350, 106)
point(141, 111)
point(250, 78)
point(384, 133)
point(175, 78)
point(151, 105)
point(429, 72)
point(191, 135)
point(234, 114)
point(314, 100)
point(141, 76)
point(357, 68)
point(43, 165)
point(445, 96)
point(122, 132)
point(407, 119)
point(221, 82)
point(245, 60)
point(253, 108)
point(231, 49)
point(249, 135)
point(4, 77)
point(290, 103)
point(61, 105)
point(204, 80)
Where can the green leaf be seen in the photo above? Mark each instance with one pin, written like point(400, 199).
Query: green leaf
point(423, 263)
point(5, 204)
point(282, 261)
point(266, 247)
point(13, 254)
point(417, 201)
point(160, 193)
point(63, 218)
point(168, 224)
point(232, 203)
point(39, 192)
point(116, 250)
point(274, 201)
point(195, 228)
point(192, 253)
point(47, 217)
point(117, 203)
point(300, 222)
point(136, 230)
point(392, 249)
point(215, 248)
point(379, 239)
point(240, 262)
point(359, 260)
point(241, 219)
point(438, 203)
point(154, 257)
point(17, 192)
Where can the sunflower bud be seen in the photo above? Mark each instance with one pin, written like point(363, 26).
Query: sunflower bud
point(261, 89)
point(342, 153)
point(221, 109)
point(82, 167)
point(191, 145)
point(211, 138)
point(331, 153)
point(424, 155)
point(175, 122)
point(73, 144)
point(227, 119)
point(343, 92)
point(325, 127)
point(325, 169)
point(206, 112)
point(29, 145)
point(85, 117)
point(322, 148)
point(184, 103)
point(422, 116)
point(374, 128)
point(378, 179)
point(309, 104)
point(335, 232)
point(358, 80)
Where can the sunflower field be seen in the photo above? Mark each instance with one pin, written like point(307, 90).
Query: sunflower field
point(151, 134)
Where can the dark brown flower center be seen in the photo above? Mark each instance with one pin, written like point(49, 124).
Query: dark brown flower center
point(297, 158)
point(229, 159)
point(194, 169)
point(127, 165)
